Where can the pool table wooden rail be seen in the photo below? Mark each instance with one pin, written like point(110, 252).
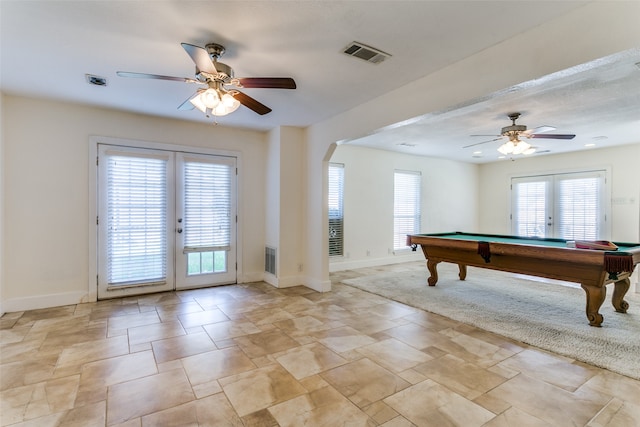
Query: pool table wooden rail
point(582, 266)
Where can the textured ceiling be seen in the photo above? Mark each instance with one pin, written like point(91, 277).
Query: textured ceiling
point(47, 47)
point(599, 102)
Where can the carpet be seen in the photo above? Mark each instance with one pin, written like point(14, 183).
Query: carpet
point(550, 316)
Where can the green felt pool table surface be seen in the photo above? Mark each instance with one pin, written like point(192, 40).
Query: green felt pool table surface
point(516, 240)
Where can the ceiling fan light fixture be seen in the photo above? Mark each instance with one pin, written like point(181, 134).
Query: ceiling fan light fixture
point(520, 147)
point(215, 102)
point(507, 148)
point(210, 98)
point(227, 105)
point(198, 103)
point(515, 147)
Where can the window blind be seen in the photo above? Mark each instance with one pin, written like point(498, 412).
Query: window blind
point(336, 209)
point(530, 207)
point(406, 206)
point(578, 202)
point(137, 219)
point(207, 206)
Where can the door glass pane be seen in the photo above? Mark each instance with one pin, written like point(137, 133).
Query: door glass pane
point(206, 262)
point(207, 216)
point(579, 208)
point(530, 208)
point(219, 261)
point(136, 220)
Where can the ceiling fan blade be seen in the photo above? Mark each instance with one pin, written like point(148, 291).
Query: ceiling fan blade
point(268, 82)
point(540, 129)
point(187, 105)
point(552, 136)
point(156, 76)
point(483, 142)
point(201, 57)
point(251, 103)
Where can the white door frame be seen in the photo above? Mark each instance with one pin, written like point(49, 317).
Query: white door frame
point(92, 283)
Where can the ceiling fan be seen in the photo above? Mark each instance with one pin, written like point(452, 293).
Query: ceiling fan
point(514, 132)
point(215, 97)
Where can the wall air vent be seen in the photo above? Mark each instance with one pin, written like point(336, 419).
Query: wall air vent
point(366, 53)
point(270, 260)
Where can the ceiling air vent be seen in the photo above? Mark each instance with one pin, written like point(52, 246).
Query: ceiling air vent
point(366, 53)
point(96, 80)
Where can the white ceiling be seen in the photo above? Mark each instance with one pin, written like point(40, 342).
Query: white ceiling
point(47, 47)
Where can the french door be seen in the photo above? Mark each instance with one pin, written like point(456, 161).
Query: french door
point(569, 206)
point(166, 220)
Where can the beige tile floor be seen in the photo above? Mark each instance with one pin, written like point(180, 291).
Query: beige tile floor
point(254, 355)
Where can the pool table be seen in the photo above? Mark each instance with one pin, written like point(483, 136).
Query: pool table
point(550, 258)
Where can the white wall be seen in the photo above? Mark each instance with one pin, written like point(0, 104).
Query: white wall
point(292, 187)
point(449, 202)
point(596, 30)
point(285, 183)
point(46, 171)
point(272, 195)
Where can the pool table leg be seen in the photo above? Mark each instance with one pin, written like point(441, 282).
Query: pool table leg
point(595, 298)
point(619, 291)
point(463, 271)
point(432, 266)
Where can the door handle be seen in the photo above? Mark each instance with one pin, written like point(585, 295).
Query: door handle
point(179, 230)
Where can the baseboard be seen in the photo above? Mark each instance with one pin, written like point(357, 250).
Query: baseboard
point(250, 277)
point(270, 279)
point(346, 264)
point(12, 305)
point(282, 282)
point(317, 285)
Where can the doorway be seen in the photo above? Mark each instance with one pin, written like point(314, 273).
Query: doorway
point(569, 206)
point(166, 220)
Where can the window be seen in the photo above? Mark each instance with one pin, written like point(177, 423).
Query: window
point(406, 206)
point(579, 215)
point(336, 212)
point(530, 207)
point(568, 206)
point(136, 220)
point(207, 219)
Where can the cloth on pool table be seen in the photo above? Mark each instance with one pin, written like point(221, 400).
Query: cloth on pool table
point(484, 251)
point(617, 262)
